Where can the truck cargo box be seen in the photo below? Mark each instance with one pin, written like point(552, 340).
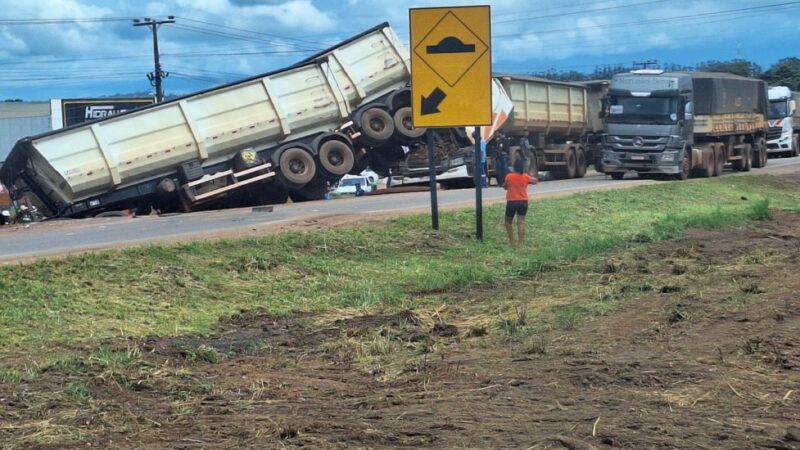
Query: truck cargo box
point(722, 93)
point(545, 106)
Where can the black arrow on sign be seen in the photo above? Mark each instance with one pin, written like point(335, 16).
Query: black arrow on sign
point(430, 104)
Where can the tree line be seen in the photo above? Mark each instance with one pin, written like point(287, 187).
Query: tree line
point(785, 72)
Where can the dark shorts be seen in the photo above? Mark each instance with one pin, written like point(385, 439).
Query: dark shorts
point(516, 207)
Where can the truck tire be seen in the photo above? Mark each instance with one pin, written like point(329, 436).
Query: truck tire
point(709, 162)
point(377, 126)
point(296, 167)
point(267, 194)
point(360, 165)
point(685, 167)
point(719, 160)
point(336, 158)
point(617, 175)
point(404, 127)
point(759, 153)
point(795, 145)
point(315, 190)
point(747, 163)
point(580, 168)
point(571, 167)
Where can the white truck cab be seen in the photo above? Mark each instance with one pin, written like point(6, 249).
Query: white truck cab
point(783, 136)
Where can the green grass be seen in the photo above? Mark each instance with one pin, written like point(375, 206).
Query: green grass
point(184, 289)
point(77, 391)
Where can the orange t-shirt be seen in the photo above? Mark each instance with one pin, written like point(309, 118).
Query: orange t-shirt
point(517, 185)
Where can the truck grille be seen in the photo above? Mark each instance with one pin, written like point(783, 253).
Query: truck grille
point(774, 133)
point(648, 143)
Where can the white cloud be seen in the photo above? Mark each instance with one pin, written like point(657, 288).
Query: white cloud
point(301, 15)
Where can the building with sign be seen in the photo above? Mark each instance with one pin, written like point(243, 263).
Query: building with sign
point(21, 119)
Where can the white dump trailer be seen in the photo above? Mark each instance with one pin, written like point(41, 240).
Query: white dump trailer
point(258, 140)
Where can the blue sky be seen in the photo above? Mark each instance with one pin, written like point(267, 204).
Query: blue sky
point(98, 52)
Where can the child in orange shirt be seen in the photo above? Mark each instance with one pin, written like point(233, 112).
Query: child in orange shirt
point(517, 200)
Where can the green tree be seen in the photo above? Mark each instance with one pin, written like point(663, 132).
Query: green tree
point(741, 67)
point(785, 72)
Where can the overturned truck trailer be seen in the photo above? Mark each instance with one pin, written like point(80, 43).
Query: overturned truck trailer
point(259, 140)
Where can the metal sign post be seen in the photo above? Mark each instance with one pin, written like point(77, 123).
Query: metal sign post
point(477, 178)
point(451, 79)
point(432, 176)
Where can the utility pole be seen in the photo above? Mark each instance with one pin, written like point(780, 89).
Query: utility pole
point(157, 75)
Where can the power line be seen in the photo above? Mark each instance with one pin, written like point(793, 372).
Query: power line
point(752, 9)
point(584, 11)
point(251, 31)
point(13, 22)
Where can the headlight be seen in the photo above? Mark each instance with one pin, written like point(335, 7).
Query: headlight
point(668, 156)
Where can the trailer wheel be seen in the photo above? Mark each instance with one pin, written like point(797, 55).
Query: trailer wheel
point(709, 162)
point(580, 169)
point(360, 165)
point(760, 147)
point(404, 127)
point(571, 164)
point(336, 157)
point(377, 126)
point(686, 167)
point(795, 145)
point(315, 190)
point(719, 160)
point(747, 156)
point(296, 167)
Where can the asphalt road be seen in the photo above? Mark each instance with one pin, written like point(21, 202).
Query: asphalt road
point(62, 237)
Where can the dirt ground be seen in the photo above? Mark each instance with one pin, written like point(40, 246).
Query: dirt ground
point(703, 352)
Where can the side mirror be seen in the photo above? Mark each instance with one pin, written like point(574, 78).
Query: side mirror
point(792, 107)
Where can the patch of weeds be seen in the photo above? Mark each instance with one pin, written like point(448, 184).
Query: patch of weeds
point(112, 358)
point(759, 210)
point(567, 317)
point(203, 353)
point(517, 323)
point(535, 345)
point(253, 263)
point(77, 391)
point(377, 346)
point(634, 287)
point(11, 376)
point(69, 365)
point(607, 297)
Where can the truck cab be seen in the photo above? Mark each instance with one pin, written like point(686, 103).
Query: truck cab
point(684, 124)
point(782, 135)
point(649, 123)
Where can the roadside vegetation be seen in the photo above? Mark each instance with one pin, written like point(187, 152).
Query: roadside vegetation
point(396, 334)
point(185, 289)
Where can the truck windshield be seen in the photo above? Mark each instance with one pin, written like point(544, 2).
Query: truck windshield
point(778, 109)
point(643, 110)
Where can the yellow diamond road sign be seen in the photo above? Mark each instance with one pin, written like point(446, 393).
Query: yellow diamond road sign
point(451, 66)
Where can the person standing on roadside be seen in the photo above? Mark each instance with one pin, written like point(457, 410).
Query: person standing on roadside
point(516, 185)
point(501, 163)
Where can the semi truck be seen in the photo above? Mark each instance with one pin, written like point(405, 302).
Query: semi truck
point(562, 120)
point(783, 136)
point(260, 140)
point(683, 124)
